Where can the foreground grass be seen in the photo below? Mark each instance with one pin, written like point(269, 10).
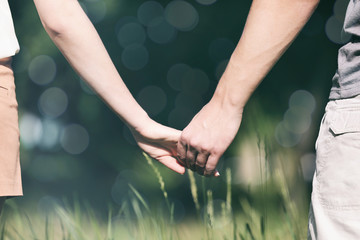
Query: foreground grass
point(135, 219)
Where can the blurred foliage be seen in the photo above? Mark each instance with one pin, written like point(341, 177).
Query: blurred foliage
point(308, 64)
point(135, 218)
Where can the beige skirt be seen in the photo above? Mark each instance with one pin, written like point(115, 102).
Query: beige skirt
point(10, 174)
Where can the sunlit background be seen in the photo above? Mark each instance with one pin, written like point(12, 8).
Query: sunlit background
point(171, 55)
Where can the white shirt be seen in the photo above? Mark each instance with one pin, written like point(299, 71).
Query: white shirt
point(9, 45)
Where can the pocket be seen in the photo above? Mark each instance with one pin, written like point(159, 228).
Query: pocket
point(346, 122)
point(340, 175)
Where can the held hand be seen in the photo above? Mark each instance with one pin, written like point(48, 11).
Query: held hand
point(206, 138)
point(160, 143)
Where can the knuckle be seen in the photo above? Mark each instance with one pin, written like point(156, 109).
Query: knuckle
point(205, 148)
point(183, 140)
point(194, 143)
point(185, 136)
point(190, 155)
point(216, 151)
point(200, 163)
point(210, 166)
point(192, 140)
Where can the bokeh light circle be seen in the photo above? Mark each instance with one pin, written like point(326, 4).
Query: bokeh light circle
point(195, 81)
point(175, 75)
point(302, 101)
point(74, 139)
point(334, 31)
point(131, 33)
point(148, 11)
point(123, 21)
point(96, 10)
point(50, 135)
point(340, 7)
point(182, 15)
point(206, 2)
point(296, 121)
point(30, 130)
point(307, 162)
point(161, 31)
point(53, 102)
point(42, 70)
point(135, 57)
point(285, 137)
point(153, 99)
point(220, 69)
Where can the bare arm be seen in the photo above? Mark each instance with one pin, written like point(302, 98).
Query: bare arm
point(75, 36)
point(270, 28)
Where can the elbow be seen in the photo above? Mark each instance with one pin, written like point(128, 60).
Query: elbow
point(54, 26)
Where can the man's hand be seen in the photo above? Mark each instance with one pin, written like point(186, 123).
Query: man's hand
point(270, 28)
point(159, 142)
point(208, 135)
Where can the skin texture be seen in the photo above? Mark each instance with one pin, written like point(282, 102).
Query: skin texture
point(75, 36)
point(2, 201)
point(270, 28)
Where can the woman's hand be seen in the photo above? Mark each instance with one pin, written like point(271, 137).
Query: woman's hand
point(160, 143)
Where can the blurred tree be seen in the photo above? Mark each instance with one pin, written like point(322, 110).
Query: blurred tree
point(201, 37)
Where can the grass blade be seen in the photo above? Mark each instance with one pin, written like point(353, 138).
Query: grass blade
point(228, 190)
point(109, 225)
point(140, 198)
point(30, 226)
point(248, 229)
point(194, 191)
point(2, 236)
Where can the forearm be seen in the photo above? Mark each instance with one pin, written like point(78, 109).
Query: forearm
point(75, 36)
point(270, 28)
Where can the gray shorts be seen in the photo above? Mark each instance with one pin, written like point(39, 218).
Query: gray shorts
point(335, 200)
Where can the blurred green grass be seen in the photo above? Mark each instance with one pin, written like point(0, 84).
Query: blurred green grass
point(136, 218)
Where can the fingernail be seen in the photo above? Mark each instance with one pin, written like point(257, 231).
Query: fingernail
point(217, 174)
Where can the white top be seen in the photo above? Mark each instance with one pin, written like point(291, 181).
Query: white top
point(9, 45)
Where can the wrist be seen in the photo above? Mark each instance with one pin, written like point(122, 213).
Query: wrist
point(228, 97)
point(222, 100)
point(139, 123)
point(236, 84)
